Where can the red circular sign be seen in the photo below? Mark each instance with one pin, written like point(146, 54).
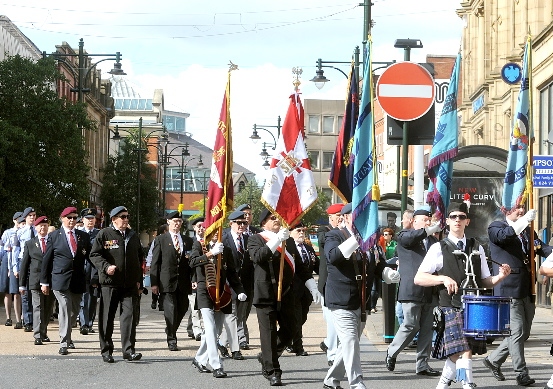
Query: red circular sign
point(405, 91)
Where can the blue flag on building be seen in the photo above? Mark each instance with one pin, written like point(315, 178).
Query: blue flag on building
point(516, 173)
point(341, 174)
point(444, 149)
point(365, 194)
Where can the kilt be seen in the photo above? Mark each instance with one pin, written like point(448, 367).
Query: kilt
point(453, 341)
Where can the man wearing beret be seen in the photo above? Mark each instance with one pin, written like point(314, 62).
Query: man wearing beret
point(117, 254)
point(31, 267)
point(194, 325)
point(417, 301)
point(87, 313)
point(250, 229)
point(265, 251)
point(170, 275)
point(63, 271)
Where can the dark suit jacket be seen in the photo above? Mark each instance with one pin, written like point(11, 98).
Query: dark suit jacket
point(300, 290)
point(169, 270)
point(342, 290)
point(264, 293)
point(243, 266)
point(410, 255)
point(60, 269)
point(323, 271)
point(31, 264)
point(506, 247)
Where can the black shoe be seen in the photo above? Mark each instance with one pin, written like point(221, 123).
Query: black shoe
point(524, 379)
point(496, 370)
point(108, 359)
point(275, 381)
point(323, 346)
point(38, 342)
point(71, 345)
point(161, 307)
point(198, 338)
point(191, 336)
point(290, 350)
point(325, 386)
point(18, 325)
point(63, 351)
point(237, 355)
point(301, 353)
point(429, 372)
point(173, 347)
point(28, 328)
point(132, 357)
point(153, 305)
point(84, 330)
point(219, 373)
point(91, 330)
point(45, 339)
point(330, 363)
point(8, 323)
point(201, 368)
point(244, 346)
point(390, 363)
point(224, 351)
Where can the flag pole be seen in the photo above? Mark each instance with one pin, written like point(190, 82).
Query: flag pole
point(529, 175)
point(280, 275)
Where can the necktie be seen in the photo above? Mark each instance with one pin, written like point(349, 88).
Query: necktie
point(460, 245)
point(73, 242)
point(239, 246)
point(525, 247)
point(304, 255)
point(43, 245)
point(423, 245)
point(177, 243)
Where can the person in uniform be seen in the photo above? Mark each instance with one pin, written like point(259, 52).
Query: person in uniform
point(330, 344)
point(117, 254)
point(31, 267)
point(162, 229)
point(63, 272)
point(417, 302)
point(203, 259)
point(194, 327)
point(444, 267)
point(250, 228)
point(510, 243)
point(265, 252)
point(170, 275)
point(87, 313)
point(8, 281)
point(343, 297)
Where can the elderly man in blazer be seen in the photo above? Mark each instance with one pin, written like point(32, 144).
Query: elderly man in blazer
point(170, 275)
point(31, 267)
point(67, 249)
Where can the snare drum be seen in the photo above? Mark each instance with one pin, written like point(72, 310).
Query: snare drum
point(486, 316)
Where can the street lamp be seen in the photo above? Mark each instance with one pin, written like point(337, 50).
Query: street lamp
point(255, 136)
point(183, 167)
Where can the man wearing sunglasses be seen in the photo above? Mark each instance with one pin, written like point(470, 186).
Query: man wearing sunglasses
point(62, 271)
point(510, 243)
point(444, 266)
point(117, 254)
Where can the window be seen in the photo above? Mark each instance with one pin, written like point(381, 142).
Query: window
point(241, 186)
point(314, 159)
point(172, 180)
point(328, 124)
point(314, 124)
point(546, 119)
point(327, 159)
point(339, 123)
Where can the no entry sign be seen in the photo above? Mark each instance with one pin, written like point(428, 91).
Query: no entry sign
point(405, 90)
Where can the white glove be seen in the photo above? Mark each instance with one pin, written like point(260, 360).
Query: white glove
point(432, 229)
point(312, 286)
point(283, 234)
point(217, 248)
point(242, 297)
point(348, 247)
point(523, 222)
point(390, 276)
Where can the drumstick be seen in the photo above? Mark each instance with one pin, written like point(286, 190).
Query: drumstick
point(497, 263)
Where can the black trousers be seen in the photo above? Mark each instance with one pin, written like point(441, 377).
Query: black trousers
point(301, 309)
point(113, 298)
point(274, 341)
point(175, 305)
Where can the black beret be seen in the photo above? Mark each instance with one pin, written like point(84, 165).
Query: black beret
point(17, 215)
point(193, 222)
point(299, 225)
point(424, 212)
point(346, 209)
point(27, 211)
point(243, 206)
point(236, 215)
point(263, 215)
point(79, 220)
point(458, 207)
point(89, 213)
point(173, 215)
point(117, 210)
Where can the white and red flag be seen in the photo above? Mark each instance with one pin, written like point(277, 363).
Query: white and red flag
point(290, 189)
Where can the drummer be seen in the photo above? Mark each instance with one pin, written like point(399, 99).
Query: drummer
point(445, 269)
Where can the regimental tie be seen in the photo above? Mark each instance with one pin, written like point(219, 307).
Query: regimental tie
point(239, 246)
point(177, 243)
point(304, 255)
point(460, 245)
point(73, 242)
point(43, 244)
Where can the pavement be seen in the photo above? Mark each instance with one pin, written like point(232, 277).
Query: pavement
point(24, 365)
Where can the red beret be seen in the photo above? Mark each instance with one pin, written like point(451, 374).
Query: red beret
point(68, 211)
point(334, 208)
point(42, 219)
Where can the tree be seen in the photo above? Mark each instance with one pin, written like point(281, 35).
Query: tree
point(120, 183)
point(42, 155)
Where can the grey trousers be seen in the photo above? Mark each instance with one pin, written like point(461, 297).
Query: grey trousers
point(522, 313)
point(208, 351)
point(42, 309)
point(417, 318)
point(229, 334)
point(69, 305)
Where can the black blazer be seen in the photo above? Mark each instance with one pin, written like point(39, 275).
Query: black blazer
point(31, 264)
point(300, 290)
point(169, 270)
point(323, 271)
point(243, 266)
point(60, 269)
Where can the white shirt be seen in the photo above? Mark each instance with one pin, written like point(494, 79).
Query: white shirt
point(434, 261)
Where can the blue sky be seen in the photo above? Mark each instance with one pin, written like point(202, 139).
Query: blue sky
point(183, 47)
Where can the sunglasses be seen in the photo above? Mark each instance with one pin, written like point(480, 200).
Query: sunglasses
point(241, 222)
point(72, 217)
point(460, 217)
point(123, 217)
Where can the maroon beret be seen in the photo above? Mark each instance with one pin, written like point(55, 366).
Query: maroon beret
point(334, 208)
point(68, 211)
point(41, 219)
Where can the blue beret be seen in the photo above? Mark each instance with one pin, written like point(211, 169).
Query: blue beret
point(21, 219)
point(89, 213)
point(27, 211)
point(424, 212)
point(263, 215)
point(236, 215)
point(243, 206)
point(346, 209)
point(17, 215)
point(174, 215)
point(117, 210)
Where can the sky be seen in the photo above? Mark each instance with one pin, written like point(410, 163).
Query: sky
point(184, 47)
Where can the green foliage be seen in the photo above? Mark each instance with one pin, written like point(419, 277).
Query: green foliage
point(121, 184)
point(42, 158)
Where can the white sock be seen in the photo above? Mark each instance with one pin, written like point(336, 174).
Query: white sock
point(464, 370)
point(448, 374)
point(550, 382)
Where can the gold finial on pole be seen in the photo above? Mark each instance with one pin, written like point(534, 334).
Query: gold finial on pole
point(232, 66)
point(297, 71)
